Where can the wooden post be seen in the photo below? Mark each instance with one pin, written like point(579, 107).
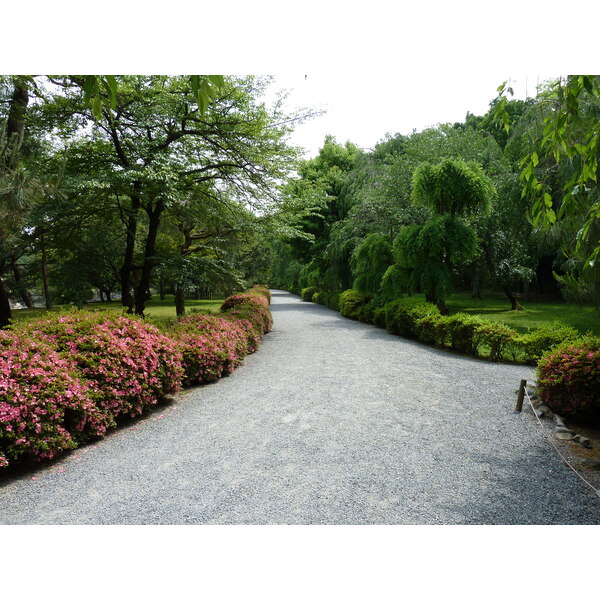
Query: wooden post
point(521, 395)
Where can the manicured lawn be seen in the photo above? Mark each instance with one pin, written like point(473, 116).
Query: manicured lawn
point(497, 308)
point(158, 311)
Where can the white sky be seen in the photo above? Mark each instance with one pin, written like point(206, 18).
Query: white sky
point(398, 105)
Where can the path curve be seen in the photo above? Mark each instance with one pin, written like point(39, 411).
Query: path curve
point(330, 422)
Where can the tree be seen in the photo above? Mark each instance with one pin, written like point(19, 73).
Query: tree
point(155, 149)
point(453, 191)
point(571, 133)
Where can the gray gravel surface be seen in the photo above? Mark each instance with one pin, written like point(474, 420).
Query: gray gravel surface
point(330, 422)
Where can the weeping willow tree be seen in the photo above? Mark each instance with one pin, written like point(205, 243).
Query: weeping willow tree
point(369, 262)
point(455, 192)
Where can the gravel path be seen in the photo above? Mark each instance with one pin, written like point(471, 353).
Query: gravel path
point(330, 422)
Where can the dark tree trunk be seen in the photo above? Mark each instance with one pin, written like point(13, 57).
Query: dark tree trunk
point(127, 268)
point(15, 124)
point(161, 287)
point(179, 301)
point(23, 293)
point(444, 310)
point(101, 294)
point(15, 127)
point(45, 272)
point(5, 312)
point(514, 304)
point(475, 290)
point(149, 258)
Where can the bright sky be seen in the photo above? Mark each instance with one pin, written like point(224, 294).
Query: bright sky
point(396, 105)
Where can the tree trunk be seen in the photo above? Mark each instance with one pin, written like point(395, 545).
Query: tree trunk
point(127, 268)
point(45, 272)
point(475, 290)
point(23, 293)
point(15, 124)
point(179, 301)
point(161, 287)
point(149, 258)
point(444, 310)
point(514, 304)
point(5, 312)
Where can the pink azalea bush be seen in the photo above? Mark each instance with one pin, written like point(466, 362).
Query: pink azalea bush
point(246, 298)
point(210, 346)
point(45, 407)
point(262, 289)
point(128, 363)
point(568, 378)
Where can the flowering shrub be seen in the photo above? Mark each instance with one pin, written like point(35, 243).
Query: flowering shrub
point(250, 298)
point(568, 378)
point(128, 363)
point(44, 406)
point(260, 318)
point(210, 346)
point(262, 289)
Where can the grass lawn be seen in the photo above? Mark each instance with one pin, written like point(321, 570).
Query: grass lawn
point(158, 311)
point(496, 307)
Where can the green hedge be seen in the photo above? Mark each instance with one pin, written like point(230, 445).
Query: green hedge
point(352, 304)
point(308, 293)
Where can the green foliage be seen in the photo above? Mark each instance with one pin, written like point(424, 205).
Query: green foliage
point(370, 260)
point(402, 316)
point(321, 298)
point(568, 378)
point(308, 293)
point(541, 339)
point(352, 304)
point(453, 187)
point(494, 337)
point(394, 283)
point(333, 301)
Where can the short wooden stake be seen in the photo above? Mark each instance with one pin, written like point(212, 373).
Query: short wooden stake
point(521, 395)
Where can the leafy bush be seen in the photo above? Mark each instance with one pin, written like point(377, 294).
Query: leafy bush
point(333, 301)
point(320, 298)
point(495, 336)
point(460, 329)
point(541, 339)
point(352, 304)
point(308, 293)
point(568, 378)
point(401, 316)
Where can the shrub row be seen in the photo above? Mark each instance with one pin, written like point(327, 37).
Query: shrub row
point(568, 365)
point(67, 379)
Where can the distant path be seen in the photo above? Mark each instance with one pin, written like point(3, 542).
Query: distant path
point(330, 422)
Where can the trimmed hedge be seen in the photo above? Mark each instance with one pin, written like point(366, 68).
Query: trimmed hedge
point(352, 304)
point(69, 378)
point(320, 298)
point(308, 293)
